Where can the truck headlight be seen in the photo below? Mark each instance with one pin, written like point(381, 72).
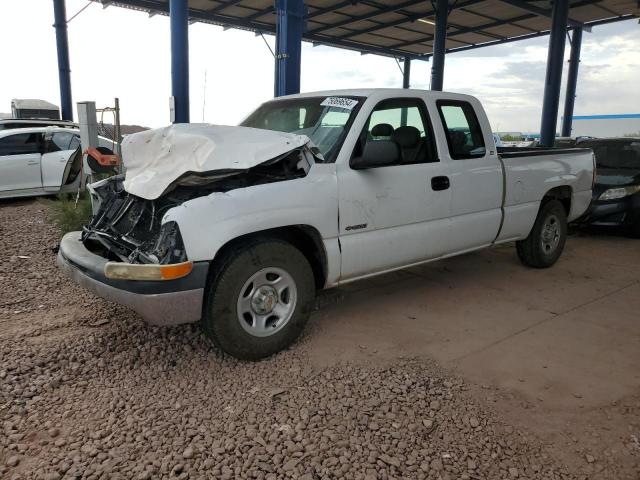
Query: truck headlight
point(621, 192)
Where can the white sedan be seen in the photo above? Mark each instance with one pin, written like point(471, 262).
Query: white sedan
point(40, 160)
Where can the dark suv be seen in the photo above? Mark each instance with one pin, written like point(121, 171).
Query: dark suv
point(616, 193)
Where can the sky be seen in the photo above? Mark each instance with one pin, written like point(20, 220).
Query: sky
point(116, 52)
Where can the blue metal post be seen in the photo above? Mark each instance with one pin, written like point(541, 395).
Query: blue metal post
point(179, 19)
point(290, 24)
point(555, 57)
point(572, 81)
point(439, 40)
point(406, 73)
point(64, 71)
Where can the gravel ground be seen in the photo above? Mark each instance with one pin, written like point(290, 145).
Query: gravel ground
point(87, 390)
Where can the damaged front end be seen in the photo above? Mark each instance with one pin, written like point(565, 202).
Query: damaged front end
point(127, 228)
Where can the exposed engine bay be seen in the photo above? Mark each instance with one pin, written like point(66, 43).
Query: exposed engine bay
point(128, 228)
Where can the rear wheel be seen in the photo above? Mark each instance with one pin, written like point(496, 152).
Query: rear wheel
point(545, 243)
point(259, 302)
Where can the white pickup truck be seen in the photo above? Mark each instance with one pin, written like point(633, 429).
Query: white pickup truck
point(237, 227)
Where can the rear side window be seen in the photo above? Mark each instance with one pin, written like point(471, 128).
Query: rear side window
point(464, 135)
point(20, 144)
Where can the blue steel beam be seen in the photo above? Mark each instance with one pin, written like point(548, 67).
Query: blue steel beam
point(64, 71)
point(555, 58)
point(406, 73)
point(439, 40)
point(179, 22)
point(289, 28)
point(572, 81)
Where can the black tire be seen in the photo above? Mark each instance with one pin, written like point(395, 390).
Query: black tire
point(538, 250)
point(220, 317)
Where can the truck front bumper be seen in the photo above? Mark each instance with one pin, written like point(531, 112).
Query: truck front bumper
point(161, 302)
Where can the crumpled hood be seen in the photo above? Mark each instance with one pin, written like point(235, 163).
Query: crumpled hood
point(154, 159)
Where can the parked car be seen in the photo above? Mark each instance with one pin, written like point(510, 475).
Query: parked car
point(40, 160)
point(239, 226)
point(616, 193)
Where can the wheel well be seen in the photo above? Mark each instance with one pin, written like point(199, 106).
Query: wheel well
point(304, 237)
point(563, 194)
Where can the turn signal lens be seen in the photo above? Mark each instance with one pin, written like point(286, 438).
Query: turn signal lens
point(130, 271)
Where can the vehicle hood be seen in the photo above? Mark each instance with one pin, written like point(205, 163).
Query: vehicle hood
point(156, 159)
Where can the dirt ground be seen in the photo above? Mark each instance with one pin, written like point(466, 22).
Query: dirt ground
point(470, 368)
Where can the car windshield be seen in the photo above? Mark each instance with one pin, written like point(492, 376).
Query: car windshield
point(618, 154)
point(325, 120)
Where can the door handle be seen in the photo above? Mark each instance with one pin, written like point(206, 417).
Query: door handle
point(32, 162)
point(440, 183)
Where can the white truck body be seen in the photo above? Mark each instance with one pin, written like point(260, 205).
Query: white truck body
point(406, 221)
point(376, 198)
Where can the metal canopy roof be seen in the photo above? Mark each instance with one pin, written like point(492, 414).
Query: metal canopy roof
point(400, 28)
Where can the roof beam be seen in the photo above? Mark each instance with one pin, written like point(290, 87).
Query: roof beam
point(231, 22)
point(367, 16)
point(478, 30)
point(407, 19)
point(534, 35)
point(541, 12)
point(332, 8)
point(221, 7)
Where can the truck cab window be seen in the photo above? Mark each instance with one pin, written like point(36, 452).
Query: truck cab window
point(464, 135)
point(20, 144)
point(403, 121)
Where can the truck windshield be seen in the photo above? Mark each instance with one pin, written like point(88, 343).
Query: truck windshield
point(616, 154)
point(325, 120)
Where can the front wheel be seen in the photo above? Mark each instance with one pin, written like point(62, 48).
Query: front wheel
point(260, 300)
point(545, 243)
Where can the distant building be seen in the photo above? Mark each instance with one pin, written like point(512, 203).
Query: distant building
point(606, 125)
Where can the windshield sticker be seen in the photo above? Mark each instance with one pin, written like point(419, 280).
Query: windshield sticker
point(339, 102)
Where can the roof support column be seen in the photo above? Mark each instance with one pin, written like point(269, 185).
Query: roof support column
point(406, 73)
point(439, 40)
point(290, 24)
point(572, 81)
point(179, 23)
point(555, 57)
point(64, 71)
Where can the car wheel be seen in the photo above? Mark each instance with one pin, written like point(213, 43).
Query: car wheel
point(545, 243)
point(259, 301)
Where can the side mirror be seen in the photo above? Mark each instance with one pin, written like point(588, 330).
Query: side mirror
point(378, 153)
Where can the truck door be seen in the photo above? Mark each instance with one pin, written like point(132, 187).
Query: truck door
point(394, 215)
point(20, 161)
point(475, 173)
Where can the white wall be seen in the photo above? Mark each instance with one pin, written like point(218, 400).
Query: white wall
point(606, 127)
